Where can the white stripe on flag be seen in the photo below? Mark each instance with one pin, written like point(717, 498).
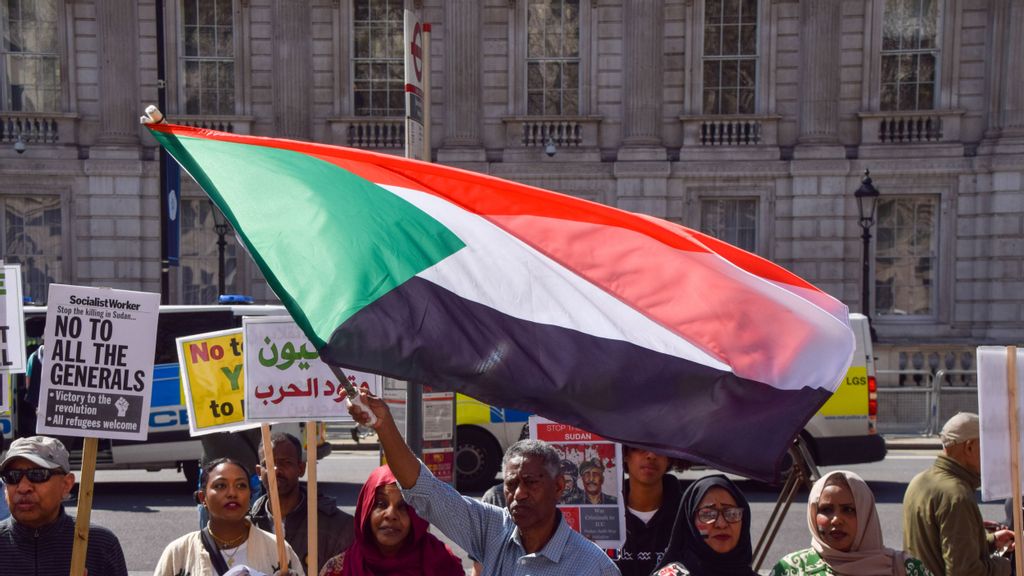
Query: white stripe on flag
point(501, 272)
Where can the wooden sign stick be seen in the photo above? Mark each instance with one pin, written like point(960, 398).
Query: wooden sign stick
point(84, 512)
point(1011, 381)
point(311, 499)
point(275, 498)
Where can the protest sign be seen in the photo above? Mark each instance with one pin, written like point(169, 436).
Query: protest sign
point(5, 397)
point(12, 320)
point(592, 468)
point(212, 380)
point(993, 403)
point(439, 433)
point(285, 380)
point(98, 374)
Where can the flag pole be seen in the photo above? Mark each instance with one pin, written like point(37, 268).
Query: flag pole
point(1011, 382)
point(275, 498)
point(84, 512)
point(427, 152)
point(312, 562)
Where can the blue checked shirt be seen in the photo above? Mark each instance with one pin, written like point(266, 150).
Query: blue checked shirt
point(488, 534)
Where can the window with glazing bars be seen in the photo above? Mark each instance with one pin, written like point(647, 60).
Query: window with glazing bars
point(909, 54)
point(553, 57)
point(906, 245)
point(730, 56)
point(208, 57)
point(378, 83)
point(33, 238)
point(732, 220)
point(30, 55)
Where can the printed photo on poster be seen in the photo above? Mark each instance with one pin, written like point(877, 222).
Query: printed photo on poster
point(591, 500)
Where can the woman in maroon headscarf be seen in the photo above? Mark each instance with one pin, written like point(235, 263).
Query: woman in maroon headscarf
point(390, 538)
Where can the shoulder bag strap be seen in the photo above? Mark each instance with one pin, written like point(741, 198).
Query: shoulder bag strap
point(219, 565)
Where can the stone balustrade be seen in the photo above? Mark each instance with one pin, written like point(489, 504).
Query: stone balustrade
point(37, 127)
point(927, 126)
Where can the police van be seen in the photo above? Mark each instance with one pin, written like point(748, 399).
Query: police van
point(169, 445)
point(842, 432)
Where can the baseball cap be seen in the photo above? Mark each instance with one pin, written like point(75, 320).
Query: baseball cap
point(962, 427)
point(42, 450)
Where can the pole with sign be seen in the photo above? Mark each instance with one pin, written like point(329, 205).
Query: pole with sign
point(97, 380)
point(287, 382)
point(12, 321)
point(414, 69)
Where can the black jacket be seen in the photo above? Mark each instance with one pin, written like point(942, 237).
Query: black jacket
point(645, 543)
point(47, 551)
point(335, 528)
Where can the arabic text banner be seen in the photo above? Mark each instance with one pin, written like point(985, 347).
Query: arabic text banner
point(285, 378)
point(213, 381)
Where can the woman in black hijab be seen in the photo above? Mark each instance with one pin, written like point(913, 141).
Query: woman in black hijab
point(711, 534)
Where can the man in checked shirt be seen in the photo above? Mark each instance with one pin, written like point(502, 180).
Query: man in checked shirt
point(527, 538)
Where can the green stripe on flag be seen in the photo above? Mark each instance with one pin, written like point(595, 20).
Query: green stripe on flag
point(328, 242)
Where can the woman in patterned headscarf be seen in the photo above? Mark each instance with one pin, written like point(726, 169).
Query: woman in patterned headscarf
point(846, 537)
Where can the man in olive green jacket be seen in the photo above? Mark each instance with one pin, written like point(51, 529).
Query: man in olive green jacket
point(942, 524)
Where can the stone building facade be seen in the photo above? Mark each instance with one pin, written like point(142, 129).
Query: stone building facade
point(753, 120)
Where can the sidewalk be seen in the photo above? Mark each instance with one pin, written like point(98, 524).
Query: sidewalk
point(912, 442)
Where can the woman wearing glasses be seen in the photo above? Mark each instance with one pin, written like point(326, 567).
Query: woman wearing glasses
point(711, 534)
point(846, 537)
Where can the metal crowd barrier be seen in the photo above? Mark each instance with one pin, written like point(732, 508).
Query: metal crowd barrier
point(923, 406)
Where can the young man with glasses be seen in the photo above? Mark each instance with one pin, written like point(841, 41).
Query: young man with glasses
point(39, 535)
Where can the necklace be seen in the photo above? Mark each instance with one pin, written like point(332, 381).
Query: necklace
point(230, 557)
point(222, 543)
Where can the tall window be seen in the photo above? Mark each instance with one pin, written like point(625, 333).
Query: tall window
point(199, 256)
point(909, 54)
point(905, 256)
point(379, 60)
point(553, 57)
point(32, 238)
point(209, 57)
point(29, 55)
point(730, 56)
point(732, 220)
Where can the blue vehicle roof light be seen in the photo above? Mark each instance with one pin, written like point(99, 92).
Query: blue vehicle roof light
point(234, 299)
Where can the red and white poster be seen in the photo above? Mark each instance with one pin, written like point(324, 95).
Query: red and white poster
point(592, 500)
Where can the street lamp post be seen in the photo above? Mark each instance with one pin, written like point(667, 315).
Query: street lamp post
point(220, 226)
point(867, 198)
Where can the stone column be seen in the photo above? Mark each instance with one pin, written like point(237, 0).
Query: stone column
point(1013, 70)
point(819, 72)
point(118, 34)
point(293, 82)
point(463, 81)
point(643, 79)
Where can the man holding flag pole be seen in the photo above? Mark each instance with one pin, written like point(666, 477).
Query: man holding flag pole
point(530, 535)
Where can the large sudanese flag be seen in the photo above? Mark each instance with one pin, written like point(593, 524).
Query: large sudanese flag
point(632, 327)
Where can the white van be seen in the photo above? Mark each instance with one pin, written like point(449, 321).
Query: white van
point(169, 444)
point(842, 432)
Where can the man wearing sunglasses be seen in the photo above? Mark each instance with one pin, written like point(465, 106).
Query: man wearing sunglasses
point(38, 536)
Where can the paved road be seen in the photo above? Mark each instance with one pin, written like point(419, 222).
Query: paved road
point(147, 510)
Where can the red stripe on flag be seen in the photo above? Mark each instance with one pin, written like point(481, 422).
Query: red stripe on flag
point(492, 197)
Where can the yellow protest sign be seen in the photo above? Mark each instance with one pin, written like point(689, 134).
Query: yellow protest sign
point(212, 381)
